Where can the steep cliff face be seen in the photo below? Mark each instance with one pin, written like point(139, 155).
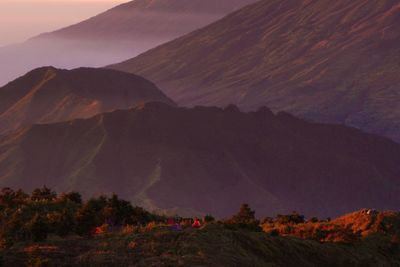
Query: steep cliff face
point(322, 60)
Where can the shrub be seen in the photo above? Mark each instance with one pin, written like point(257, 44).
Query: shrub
point(38, 228)
point(43, 194)
point(62, 223)
point(38, 262)
point(320, 234)
point(74, 197)
point(274, 232)
point(293, 218)
point(244, 219)
point(86, 220)
point(129, 229)
point(245, 215)
point(101, 230)
point(208, 218)
point(150, 226)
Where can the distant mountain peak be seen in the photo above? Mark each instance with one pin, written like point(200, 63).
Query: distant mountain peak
point(48, 94)
point(114, 35)
point(326, 61)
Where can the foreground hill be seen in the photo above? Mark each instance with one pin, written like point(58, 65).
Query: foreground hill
point(117, 34)
point(348, 228)
point(162, 247)
point(326, 61)
point(208, 160)
point(50, 95)
point(46, 229)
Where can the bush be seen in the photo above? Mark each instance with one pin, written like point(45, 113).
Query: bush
point(38, 228)
point(86, 221)
point(244, 219)
point(74, 197)
point(208, 219)
point(62, 223)
point(32, 217)
point(130, 229)
point(320, 234)
point(38, 262)
point(293, 218)
point(43, 194)
point(274, 232)
point(245, 215)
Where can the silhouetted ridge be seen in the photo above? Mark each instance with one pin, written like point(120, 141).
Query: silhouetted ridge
point(208, 160)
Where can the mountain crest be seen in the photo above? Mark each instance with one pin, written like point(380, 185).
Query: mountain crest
point(49, 95)
point(326, 61)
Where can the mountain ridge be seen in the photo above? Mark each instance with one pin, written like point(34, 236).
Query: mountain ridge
point(323, 61)
point(114, 35)
point(207, 160)
point(48, 94)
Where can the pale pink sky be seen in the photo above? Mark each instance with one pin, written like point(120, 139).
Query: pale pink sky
point(22, 19)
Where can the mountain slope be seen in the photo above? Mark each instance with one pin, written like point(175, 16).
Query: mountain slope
point(322, 60)
point(208, 160)
point(117, 34)
point(50, 95)
point(159, 19)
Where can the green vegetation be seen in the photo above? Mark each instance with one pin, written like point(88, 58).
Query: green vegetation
point(33, 217)
point(46, 229)
point(245, 219)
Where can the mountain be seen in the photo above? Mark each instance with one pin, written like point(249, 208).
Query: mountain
point(325, 61)
point(149, 20)
point(50, 95)
point(207, 160)
point(117, 34)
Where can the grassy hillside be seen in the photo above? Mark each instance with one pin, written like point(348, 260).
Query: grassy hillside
point(211, 246)
point(45, 229)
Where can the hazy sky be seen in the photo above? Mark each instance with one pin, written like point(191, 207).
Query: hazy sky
point(22, 19)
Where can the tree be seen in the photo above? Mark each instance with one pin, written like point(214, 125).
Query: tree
point(294, 218)
point(245, 215)
point(7, 198)
point(118, 211)
point(87, 219)
point(244, 219)
point(62, 222)
point(74, 197)
point(38, 228)
point(43, 194)
point(209, 218)
point(143, 217)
